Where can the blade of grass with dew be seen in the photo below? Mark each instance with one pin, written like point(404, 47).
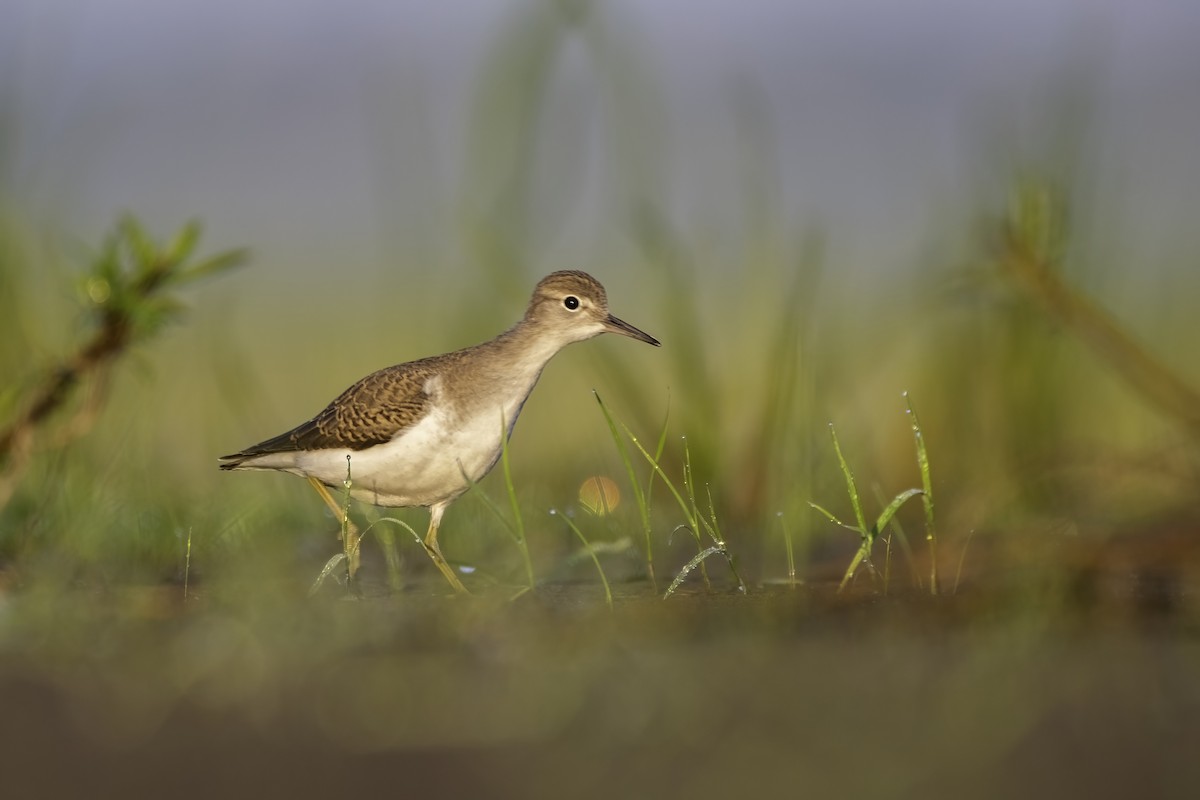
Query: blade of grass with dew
point(901, 536)
point(851, 486)
point(591, 552)
point(689, 488)
point(696, 561)
point(645, 505)
point(720, 539)
point(350, 548)
point(642, 499)
point(830, 516)
point(927, 496)
point(326, 571)
point(709, 523)
point(400, 524)
point(869, 536)
point(338, 558)
point(683, 504)
point(864, 549)
point(859, 556)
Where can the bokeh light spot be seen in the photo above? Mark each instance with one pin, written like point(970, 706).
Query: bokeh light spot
point(599, 495)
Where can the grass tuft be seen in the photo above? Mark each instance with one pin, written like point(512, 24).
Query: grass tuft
point(868, 535)
point(694, 520)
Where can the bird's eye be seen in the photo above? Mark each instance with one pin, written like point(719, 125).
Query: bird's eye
point(571, 302)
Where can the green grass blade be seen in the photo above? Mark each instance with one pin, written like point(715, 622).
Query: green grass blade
point(654, 465)
point(187, 566)
point(886, 515)
point(927, 497)
point(641, 498)
point(851, 487)
point(829, 516)
point(662, 444)
point(696, 561)
point(644, 506)
point(901, 536)
point(708, 523)
point(399, 523)
point(591, 551)
point(859, 557)
point(350, 550)
point(330, 566)
point(689, 486)
point(869, 536)
point(719, 538)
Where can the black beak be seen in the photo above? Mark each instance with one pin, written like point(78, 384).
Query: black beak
point(614, 325)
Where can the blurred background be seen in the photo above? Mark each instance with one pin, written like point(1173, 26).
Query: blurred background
point(800, 199)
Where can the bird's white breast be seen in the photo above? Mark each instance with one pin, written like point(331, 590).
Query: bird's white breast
point(434, 460)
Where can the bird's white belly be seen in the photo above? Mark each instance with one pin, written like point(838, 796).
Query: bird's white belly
point(435, 460)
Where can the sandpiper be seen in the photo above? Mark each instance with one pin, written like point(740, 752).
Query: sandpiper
point(421, 433)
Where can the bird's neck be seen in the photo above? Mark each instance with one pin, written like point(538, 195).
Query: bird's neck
point(524, 349)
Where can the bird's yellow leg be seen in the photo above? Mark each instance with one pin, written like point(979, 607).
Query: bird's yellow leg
point(352, 540)
point(435, 552)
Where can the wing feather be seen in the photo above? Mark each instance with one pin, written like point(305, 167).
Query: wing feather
point(372, 411)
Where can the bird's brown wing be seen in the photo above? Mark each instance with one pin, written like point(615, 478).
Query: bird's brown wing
point(370, 412)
